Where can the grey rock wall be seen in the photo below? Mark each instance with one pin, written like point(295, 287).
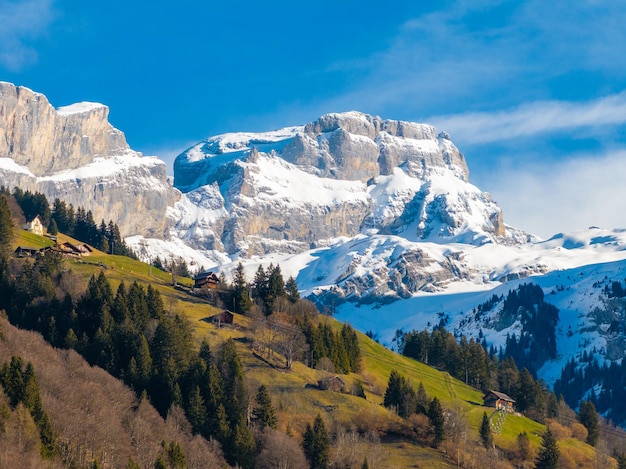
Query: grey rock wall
point(46, 143)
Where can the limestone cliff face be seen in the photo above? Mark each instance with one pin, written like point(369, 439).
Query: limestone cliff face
point(339, 176)
point(45, 140)
point(75, 154)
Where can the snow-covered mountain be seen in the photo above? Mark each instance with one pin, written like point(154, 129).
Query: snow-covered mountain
point(376, 219)
point(380, 225)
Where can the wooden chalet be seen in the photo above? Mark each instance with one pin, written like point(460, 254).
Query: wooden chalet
point(25, 251)
point(69, 249)
point(206, 280)
point(225, 317)
point(85, 249)
point(499, 400)
point(331, 383)
point(35, 226)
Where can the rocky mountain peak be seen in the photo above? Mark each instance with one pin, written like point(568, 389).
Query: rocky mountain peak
point(344, 174)
point(75, 154)
point(46, 140)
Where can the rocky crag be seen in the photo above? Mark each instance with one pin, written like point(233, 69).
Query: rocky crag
point(342, 175)
point(74, 153)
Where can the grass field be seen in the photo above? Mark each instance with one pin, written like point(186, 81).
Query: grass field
point(295, 393)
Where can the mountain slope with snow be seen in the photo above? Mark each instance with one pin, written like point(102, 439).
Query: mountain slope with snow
point(341, 176)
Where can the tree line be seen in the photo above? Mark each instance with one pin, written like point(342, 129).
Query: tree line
point(64, 218)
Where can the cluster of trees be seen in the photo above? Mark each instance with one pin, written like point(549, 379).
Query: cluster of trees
point(77, 223)
point(577, 379)
point(20, 385)
point(537, 340)
point(129, 333)
point(471, 363)
point(338, 352)
point(616, 290)
point(267, 293)
point(406, 401)
point(465, 360)
point(277, 307)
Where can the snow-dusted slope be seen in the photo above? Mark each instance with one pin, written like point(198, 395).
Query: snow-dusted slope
point(577, 269)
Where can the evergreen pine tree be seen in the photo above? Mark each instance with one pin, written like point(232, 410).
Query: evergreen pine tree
point(244, 446)
point(486, 437)
point(196, 410)
point(588, 416)
point(263, 414)
point(242, 302)
point(6, 228)
point(292, 290)
point(53, 229)
point(435, 414)
point(422, 399)
point(548, 457)
point(316, 444)
point(523, 445)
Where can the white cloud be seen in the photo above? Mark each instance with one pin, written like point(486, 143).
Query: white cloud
point(533, 118)
point(473, 55)
point(554, 197)
point(21, 21)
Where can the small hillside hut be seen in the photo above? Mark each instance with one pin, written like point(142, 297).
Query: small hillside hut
point(206, 280)
point(35, 226)
point(331, 383)
point(499, 400)
point(225, 317)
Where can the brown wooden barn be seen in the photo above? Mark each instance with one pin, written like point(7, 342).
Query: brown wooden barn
point(225, 317)
point(499, 400)
point(206, 280)
point(331, 383)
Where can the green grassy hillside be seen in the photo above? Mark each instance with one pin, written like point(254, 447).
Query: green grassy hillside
point(295, 394)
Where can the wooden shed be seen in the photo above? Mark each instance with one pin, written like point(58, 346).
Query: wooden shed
point(225, 317)
point(331, 383)
point(499, 400)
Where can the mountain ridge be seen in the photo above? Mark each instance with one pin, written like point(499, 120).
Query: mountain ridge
point(369, 215)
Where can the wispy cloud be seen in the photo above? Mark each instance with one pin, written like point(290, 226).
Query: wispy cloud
point(553, 197)
point(533, 118)
point(20, 22)
point(484, 56)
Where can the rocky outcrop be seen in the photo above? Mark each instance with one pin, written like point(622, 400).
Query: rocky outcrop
point(390, 164)
point(46, 140)
point(75, 154)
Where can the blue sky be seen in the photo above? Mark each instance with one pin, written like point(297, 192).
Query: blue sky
point(532, 92)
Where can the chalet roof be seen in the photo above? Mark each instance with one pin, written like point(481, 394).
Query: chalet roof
point(26, 248)
point(222, 313)
point(70, 246)
point(203, 275)
point(499, 395)
point(332, 378)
